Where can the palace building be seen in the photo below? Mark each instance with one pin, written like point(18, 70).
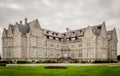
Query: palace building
point(30, 42)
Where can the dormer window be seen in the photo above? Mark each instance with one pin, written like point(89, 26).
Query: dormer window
point(99, 27)
point(53, 38)
point(69, 38)
point(47, 37)
point(53, 33)
point(56, 34)
point(59, 39)
point(76, 37)
point(64, 34)
point(80, 31)
point(47, 32)
point(73, 33)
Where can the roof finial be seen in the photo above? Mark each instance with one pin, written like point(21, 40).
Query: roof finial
point(20, 22)
point(67, 29)
point(104, 22)
point(25, 21)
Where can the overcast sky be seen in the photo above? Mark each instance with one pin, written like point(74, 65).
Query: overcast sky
point(57, 15)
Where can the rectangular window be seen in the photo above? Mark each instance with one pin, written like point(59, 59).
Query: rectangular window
point(8, 53)
point(58, 55)
point(40, 43)
point(33, 41)
point(33, 52)
point(88, 54)
point(46, 53)
point(72, 46)
point(80, 55)
point(88, 43)
point(51, 45)
point(58, 46)
point(103, 54)
point(51, 54)
point(40, 52)
point(72, 55)
point(80, 45)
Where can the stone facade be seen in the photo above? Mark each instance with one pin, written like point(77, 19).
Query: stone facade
point(30, 42)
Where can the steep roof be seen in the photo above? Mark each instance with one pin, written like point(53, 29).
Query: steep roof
point(12, 27)
point(72, 33)
point(32, 23)
point(80, 32)
point(23, 29)
point(5, 31)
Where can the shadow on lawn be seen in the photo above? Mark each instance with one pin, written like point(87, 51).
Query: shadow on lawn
point(55, 67)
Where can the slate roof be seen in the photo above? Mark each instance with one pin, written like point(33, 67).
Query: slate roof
point(80, 32)
point(73, 33)
point(5, 30)
point(12, 27)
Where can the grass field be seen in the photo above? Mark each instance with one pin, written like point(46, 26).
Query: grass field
point(70, 71)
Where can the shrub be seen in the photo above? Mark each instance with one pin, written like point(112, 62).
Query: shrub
point(49, 61)
point(105, 61)
point(6, 62)
point(23, 62)
point(55, 67)
point(83, 62)
point(3, 61)
point(2, 64)
point(38, 61)
point(76, 61)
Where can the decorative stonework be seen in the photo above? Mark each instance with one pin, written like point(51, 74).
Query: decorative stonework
point(31, 42)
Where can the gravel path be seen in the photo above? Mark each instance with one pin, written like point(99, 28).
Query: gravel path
point(66, 64)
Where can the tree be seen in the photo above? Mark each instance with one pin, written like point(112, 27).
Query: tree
point(0, 56)
point(118, 57)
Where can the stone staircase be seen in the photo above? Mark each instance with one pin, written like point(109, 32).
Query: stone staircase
point(65, 60)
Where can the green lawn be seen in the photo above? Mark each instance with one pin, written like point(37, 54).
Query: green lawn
point(70, 71)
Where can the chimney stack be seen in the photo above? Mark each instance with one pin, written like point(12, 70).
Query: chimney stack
point(67, 29)
point(104, 23)
point(25, 21)
point(20, 22)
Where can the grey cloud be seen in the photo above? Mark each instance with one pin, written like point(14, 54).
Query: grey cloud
point(61, 13)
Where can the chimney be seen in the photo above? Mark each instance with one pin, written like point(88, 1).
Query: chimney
point(104, 23)
point(20, 22)
point(67, 29)
point(25, 21)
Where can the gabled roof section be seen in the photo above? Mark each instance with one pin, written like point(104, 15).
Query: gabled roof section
point(5, 31)
point(109, 33)
point(80, 32)
point(11, 27)
point(25, 28)
point(32, 23)
point(97, 29)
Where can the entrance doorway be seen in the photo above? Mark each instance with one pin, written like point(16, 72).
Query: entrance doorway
point(65, 55)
